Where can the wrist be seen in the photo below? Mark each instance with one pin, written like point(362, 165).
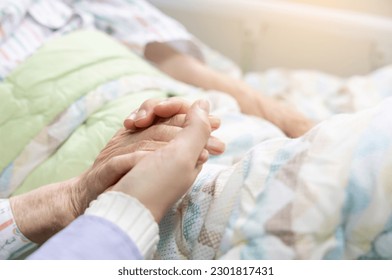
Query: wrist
point(43, 212)
point(131, 216)
point(156, 207)
point(79, 197)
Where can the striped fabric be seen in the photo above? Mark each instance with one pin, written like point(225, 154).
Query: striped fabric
point(134, 23)
point(11, 14)
point(26, 25)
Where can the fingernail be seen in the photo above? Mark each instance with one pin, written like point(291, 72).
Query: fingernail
point(140, 115)
point(132, 116)
point(163, 101)
point(204, 105)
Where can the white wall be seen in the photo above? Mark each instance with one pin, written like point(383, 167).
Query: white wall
point(376, 7)
point(268, 33)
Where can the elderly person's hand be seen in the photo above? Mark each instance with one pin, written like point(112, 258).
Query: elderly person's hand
point(160, 178)
point(154, 109)
point(41, 213)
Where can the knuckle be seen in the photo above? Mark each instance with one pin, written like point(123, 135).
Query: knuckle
point(147, 145)
point(177, 120)
point(112, 166)
point(149, 103)
point(164, 132)
point(142, 145)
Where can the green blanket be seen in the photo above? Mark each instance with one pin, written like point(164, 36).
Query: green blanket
point(66, 78)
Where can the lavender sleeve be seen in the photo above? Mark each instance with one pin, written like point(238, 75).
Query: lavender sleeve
point(89, 238)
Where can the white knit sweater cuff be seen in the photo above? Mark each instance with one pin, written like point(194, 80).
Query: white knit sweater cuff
point(131, 216)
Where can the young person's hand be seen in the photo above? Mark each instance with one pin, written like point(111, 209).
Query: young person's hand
point(162, 177)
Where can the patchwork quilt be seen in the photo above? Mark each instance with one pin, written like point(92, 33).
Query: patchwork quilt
point(326, 195)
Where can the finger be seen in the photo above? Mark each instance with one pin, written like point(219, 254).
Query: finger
point(171, 107)
point(179, 120)
point(161, 132)
point(162, 109)
point(203, 157)
point(192, 139)
point(215, 146)
point(152, 109)
point(215, 122)
point(166, 133)
point(143, 117)
point(169, 129)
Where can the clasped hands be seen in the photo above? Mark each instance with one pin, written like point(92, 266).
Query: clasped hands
point(157, 155)
point(154, 158)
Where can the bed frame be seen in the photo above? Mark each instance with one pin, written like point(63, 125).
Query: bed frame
point(262, 34)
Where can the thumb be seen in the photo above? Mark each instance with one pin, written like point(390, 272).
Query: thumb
point(192, 139)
